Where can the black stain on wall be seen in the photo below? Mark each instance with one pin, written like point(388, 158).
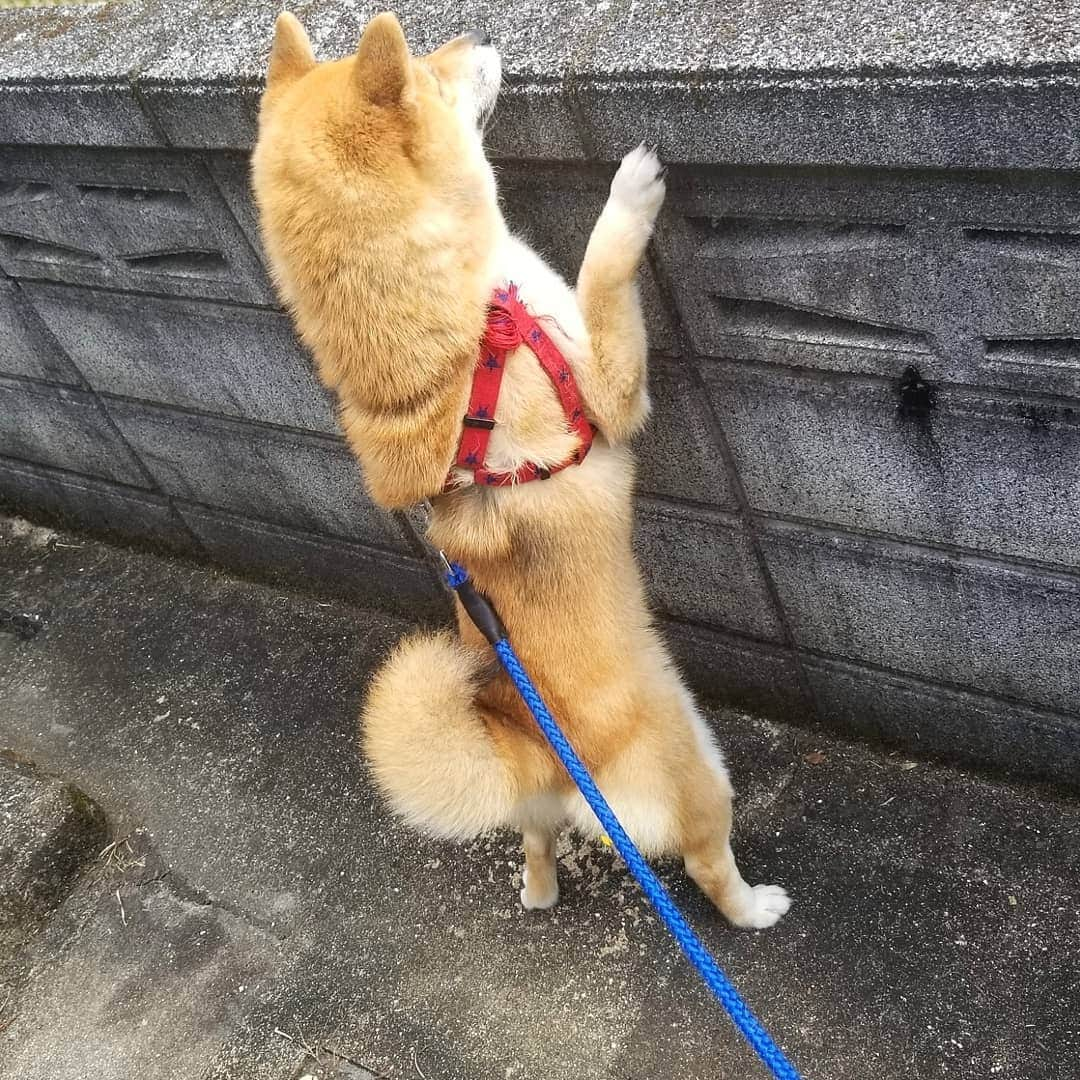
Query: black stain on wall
point(918, 399)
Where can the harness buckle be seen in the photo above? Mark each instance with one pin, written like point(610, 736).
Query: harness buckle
point(478, 422)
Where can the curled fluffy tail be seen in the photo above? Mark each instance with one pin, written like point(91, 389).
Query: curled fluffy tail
point(429, 747)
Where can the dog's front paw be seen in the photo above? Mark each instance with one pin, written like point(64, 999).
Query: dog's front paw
point(639, 184)
point(763, 906)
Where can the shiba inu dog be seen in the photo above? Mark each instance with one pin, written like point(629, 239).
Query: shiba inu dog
point(382, 224)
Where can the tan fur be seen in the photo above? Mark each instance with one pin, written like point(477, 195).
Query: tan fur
point(381, 221)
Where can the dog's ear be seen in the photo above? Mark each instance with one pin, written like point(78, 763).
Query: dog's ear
point(291, 55)
point(383, 64)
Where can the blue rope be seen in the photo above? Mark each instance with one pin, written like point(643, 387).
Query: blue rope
point(748, 1024)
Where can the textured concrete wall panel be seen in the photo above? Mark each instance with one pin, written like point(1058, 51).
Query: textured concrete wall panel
point(25, 346)
point(304, 560)
point(63, 428)
point(973, 622)
point(678, 455)
point(1001, 475)
point(971, 279)
point(78, 502)
point(142, 222)
point(944, 722)
point(308, 481)
point(701, 566)
point(219, 358)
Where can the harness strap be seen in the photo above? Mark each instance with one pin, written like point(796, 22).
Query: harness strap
point(510, 325)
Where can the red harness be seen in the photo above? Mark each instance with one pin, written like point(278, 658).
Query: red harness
point(510, 325)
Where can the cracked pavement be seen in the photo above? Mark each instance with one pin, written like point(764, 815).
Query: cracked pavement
point(262, 916)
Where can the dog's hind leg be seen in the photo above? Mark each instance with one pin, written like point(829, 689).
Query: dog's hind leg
point(706, 850)
point(541, 820)
point(613, 380)
point(540, 877)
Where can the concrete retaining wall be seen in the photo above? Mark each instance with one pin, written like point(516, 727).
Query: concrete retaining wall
point(860, 496)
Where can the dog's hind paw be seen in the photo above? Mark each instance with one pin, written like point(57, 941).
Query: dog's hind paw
point(639, 183)
point(765, 905)
point(538, 899)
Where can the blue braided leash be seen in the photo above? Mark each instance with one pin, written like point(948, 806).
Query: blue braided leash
point(487, 621)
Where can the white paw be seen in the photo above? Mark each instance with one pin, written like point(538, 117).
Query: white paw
point(765, 906)
point(531, 902)
point(639, 184)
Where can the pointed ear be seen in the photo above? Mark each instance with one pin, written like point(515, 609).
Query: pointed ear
point(291, 55)
point(383, 64)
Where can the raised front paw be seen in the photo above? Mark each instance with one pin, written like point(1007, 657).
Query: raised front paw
point(639, 184)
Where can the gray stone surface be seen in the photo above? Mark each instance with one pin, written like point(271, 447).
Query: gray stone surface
point(222, 40)
point(967, 621)
point(309, 481)
point(968, 277)
point(63, 428)
point(142, 222)
point(144, 979)
point(933, 932)
point(939, 121)
point(826, 36)
point(103, 43)
point(700, 565)
point(855, 190)
point(678, 456)
point(739, 673)
point(212, 357)
point(205, 115)
point(945, 723)
point(49, 831)
point(75, 501)
point(845, 454)
point(25, 348)
point(758, 84)
point(74, 115)
point(334, 568)
point(231, 171)
point(535, 122)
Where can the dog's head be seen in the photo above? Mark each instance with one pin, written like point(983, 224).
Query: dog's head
point(379, 137)
point(380, 216)
point(381, 110)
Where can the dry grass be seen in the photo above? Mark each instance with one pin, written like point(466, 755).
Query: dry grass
point(119, 856)
point(323, 1057)
point(301, 1043)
